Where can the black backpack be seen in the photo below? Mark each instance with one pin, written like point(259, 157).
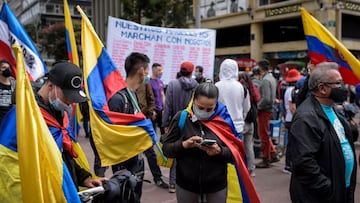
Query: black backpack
point(120, 188)
point(251, 116)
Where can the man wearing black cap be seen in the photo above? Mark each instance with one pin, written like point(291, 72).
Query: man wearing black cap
point(63, 87)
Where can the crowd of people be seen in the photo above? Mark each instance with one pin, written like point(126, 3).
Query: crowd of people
point(186, 114)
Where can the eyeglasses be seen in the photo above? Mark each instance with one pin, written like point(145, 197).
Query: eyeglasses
point(334, 83)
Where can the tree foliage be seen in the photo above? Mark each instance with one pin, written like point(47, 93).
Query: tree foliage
point(163, 13)
point(53, 41)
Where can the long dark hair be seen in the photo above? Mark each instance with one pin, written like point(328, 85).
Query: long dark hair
point(208, 90)
point(245, 80)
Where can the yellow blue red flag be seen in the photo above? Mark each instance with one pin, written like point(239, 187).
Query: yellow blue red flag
point(241, 188)
point(73, 57)
point(70, 37)
point(323, 46)
point(117, 136)
point(32, 169)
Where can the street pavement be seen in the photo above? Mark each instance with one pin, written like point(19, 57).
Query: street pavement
point(271, 184)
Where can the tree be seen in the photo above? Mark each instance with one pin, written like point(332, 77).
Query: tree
point(157, 12)
point(53, 41)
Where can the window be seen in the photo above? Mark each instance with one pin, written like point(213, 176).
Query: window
point(349, 22)
point(233, 36)
point(267, 2)
point(49, 8)
point(283, 30)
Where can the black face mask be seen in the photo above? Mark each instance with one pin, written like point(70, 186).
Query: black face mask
point(339, 95)
point(6, 73)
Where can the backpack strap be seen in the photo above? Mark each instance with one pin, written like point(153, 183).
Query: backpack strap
point(13, 88)
point(182, 119)
point(126, 106)
point(245, 91)
point(12, 84)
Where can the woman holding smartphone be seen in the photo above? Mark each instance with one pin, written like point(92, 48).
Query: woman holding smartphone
point(203, 140)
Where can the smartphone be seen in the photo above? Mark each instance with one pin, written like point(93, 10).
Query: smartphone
point(208, 142)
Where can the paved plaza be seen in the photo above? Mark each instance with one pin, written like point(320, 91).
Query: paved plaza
point(271, 184)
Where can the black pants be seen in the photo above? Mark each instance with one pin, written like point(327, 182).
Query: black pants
point(152, 161)
point(158, 121)
point(288, 155)
point(99, 171)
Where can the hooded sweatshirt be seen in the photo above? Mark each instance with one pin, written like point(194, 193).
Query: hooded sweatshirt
point(177, 97)
point(232, 93)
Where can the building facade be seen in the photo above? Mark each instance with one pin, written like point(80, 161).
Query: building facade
point(46, 12)
point(272, 29)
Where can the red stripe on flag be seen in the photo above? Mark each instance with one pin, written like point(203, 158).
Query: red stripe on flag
point(113, 83)
point(5, 54)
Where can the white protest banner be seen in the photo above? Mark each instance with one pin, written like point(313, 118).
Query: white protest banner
point(167, 46)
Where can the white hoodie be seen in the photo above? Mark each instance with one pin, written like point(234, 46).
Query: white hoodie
point(231, 93)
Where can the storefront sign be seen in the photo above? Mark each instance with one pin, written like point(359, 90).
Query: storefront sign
point(282, 10)
point(352, 6)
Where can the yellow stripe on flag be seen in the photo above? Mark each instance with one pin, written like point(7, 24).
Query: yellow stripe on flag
point(40, 160)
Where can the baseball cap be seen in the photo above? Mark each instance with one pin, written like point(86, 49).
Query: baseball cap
point(187, 67)
point(68, 77)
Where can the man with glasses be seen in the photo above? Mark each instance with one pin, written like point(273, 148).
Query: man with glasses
point(323, 154)
point(7, 88)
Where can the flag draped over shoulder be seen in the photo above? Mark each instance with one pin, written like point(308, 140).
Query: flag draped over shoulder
point(241, 189)
point(117, 136)
point(323, 46)
point(36, 172)
point(12, 32)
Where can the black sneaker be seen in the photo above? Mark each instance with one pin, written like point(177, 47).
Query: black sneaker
point(162, 184)
point(172, 188)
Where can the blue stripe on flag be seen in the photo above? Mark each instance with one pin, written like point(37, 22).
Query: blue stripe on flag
point(317, 46)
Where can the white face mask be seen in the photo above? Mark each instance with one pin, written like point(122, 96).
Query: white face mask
point(201, 114)
point(59, 105)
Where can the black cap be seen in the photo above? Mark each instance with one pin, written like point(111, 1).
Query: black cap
point(68, 77)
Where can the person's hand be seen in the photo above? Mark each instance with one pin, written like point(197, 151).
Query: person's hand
point(153, 116)
point(211, 150)
point(192, 142)
point(93, 182)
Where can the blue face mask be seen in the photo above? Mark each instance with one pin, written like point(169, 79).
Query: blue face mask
point(160, 76)
point(196, 75)
point(146, 80)
point(58, 105)
point(201, 114)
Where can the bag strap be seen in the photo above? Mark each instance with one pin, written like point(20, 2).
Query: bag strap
point(182, 119)
point(245, 91)
point(126, 106)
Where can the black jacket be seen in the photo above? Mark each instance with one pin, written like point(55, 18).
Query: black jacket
point(195, 170)
point(317, 158)
point(77, 173)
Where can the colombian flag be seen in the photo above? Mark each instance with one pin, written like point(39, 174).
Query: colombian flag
point(241, 189)
point(73, 57)
point(32, 167)
point(323, 46)
point(70, 37)
point(117, 136)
